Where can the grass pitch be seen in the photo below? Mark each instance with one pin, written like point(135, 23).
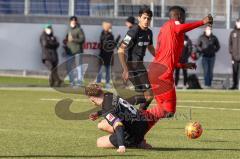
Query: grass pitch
point(29, 127)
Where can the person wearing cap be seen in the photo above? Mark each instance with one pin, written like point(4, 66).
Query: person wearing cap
point(130, 22)
point(49, 45)
point(208, 45)
point(234, 45)
point(73, 42)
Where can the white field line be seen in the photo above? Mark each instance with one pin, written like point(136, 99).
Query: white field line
point(179, 106)
point(178, 90)
point(58, 99)
point(207, 101)
point(183, 101)
point(208, 108)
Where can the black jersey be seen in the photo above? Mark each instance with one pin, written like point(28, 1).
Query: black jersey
point(137, 41)
point(115, 109)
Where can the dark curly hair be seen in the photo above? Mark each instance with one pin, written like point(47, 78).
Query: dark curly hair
point(145, 10)
point(93, 89)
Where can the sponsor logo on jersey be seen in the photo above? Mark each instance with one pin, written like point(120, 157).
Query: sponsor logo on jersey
point(110, 117)
point(143, 43)
point(127, 39)
point(177, 22)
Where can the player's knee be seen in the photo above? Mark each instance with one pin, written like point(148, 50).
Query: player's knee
point(99, 142)
point(100, 126)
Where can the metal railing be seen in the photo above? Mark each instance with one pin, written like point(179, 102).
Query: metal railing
point(224, 10)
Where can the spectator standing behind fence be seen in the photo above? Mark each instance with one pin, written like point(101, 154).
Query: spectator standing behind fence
point(107, 45)
point(74, 41)
point(130, 22)
point(49, 45)
point(187, 50)
point(234, 50)
point(208, 45)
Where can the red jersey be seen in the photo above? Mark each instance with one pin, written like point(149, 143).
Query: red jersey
point(169, 48)
point(170, 42)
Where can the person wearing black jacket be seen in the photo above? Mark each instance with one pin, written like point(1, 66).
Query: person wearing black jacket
point(130, 22)
point(107, 45)
point(187, 50)
point(234, 50)
point(208, 45)
point(49, 45)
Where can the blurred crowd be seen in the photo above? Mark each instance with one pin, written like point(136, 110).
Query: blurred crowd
point(206, 47)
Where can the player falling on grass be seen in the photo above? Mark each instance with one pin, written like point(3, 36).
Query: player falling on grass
point(170, 43)
point(126, 124)
point(131, 53)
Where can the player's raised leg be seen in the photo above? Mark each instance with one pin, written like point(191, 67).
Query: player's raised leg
point(105, 126)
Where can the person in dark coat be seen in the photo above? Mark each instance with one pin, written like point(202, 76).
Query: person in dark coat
point(187, 50)
point(73, 45)
point(49, 45)
point(234, 50)
point(208, 46)
point(107, 45)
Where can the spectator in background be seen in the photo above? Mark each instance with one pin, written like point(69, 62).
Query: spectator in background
point(130, 22)
point(234, 50)
point(49, 45)
point(107, 45)
point(74, 41)
point(187, 50)
point(208, 45)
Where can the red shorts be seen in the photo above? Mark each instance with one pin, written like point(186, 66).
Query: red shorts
point(163, 87)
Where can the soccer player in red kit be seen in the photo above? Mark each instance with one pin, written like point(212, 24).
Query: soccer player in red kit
point(170, 43)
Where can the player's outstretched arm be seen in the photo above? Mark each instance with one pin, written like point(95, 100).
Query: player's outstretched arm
point(182, 28)
point(122, 58)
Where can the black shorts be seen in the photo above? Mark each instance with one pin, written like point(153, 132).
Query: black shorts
point(129, 141)
point(138, 130)
point(138, 76)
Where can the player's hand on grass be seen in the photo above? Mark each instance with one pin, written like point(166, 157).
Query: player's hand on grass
point(191, 66)
point(121, 149)
point(208, 19)
point(93, 116)
point(125, 75)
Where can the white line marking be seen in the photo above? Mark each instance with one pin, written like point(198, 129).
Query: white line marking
point(183, 101)
point(206, 101)
point(209, 108)
point(179, 106)
point(58, 99)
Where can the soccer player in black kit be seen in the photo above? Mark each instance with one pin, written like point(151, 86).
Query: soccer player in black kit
point(131, 54)
point(126, 125)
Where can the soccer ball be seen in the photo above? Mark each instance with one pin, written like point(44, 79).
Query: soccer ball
point(193, 130)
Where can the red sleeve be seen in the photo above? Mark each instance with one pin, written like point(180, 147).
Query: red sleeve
point(182, 28)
